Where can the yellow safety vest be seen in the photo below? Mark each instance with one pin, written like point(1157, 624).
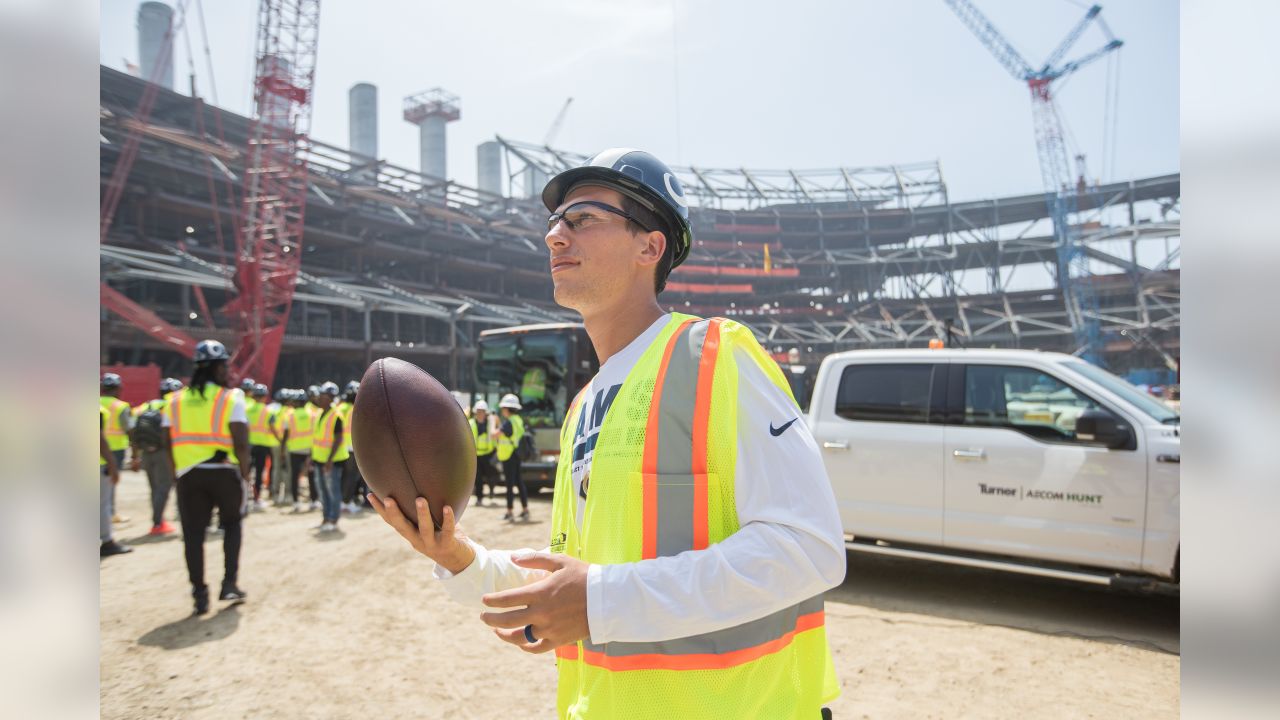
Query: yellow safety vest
point(102, 425)
point(484, 443)
point(663, 483)
point(262, 426)
point(507, 445)
point(323, 441)
point(302, 426)
point(345, 412)
point(201, 426)
point(117, 435)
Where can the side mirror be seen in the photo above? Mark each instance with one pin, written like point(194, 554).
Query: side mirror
point(1100, 426)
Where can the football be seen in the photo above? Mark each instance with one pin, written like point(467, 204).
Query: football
point(412, 439)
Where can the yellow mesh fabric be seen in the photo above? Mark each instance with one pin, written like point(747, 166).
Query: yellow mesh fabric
point(117, 438)
point(192, 414)
point(795, 680)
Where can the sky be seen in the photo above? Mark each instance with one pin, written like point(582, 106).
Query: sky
point(800, 84)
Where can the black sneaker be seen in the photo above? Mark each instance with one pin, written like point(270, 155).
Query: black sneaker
point(201, 595)
point(231, 592)
point(111, 547)
point(524, 514)
point(507, 516)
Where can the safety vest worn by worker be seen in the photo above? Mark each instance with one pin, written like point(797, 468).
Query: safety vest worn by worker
point(663, 483)
point(262, 426)
point(200, 426)
point(102, 424)
point(302, 425)
point(322, 443)
point(484, 441)
point(117, 436)
point(507, 445)
point(345, 412)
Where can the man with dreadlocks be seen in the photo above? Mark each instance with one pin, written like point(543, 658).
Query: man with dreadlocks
point(209, 439)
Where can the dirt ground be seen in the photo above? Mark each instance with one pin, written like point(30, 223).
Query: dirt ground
point(351, 625)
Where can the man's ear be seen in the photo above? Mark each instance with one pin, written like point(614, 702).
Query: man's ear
point(655, 244)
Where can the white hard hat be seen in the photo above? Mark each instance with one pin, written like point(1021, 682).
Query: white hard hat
point(480, 405)
point(510, 401)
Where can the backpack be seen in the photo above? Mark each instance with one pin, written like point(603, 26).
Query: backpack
point(525, 450)
point(148, 432)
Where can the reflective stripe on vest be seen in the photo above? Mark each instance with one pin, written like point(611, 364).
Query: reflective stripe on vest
point(117, 436)
point(507, 445)
point(676, 500)
point(198, 427)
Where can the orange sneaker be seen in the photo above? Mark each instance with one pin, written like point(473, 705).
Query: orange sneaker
point(164, 528)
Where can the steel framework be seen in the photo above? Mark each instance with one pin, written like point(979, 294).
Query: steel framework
point(388, 262)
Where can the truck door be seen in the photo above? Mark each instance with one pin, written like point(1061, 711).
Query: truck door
point(1019, 482)
point(881, 438)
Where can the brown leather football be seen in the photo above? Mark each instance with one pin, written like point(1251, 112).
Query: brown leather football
point(411, 439)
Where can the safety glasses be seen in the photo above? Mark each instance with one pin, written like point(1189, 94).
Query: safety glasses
point(579, 215)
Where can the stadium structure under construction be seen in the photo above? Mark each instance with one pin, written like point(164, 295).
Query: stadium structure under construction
point(397, 263)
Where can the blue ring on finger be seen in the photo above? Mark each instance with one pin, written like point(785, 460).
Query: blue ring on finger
point(528, 634)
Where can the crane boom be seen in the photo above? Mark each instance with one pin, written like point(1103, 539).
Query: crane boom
point(1072, 270)
point(555, 124)
point(1063, 47)
point(989, 36)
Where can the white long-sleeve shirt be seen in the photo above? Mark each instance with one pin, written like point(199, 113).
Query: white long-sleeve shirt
point(789, 546)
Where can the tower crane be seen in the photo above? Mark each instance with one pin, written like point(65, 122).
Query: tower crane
point(1060, 194)
point(269, 247)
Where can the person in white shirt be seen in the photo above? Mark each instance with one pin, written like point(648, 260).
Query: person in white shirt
point(618, 227)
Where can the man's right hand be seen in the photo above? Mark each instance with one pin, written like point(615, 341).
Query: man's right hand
point(448, 547)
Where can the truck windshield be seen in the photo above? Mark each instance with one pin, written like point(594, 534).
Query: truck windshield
point(1144, 402)
point(532, 366)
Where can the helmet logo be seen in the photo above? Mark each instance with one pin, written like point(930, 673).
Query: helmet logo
point(674, 190)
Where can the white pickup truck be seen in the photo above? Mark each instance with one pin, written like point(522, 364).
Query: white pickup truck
point(1017, 460)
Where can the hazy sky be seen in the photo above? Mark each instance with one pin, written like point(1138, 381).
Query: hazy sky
point(719, 83)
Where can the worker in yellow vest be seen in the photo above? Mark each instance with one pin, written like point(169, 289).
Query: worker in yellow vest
point(328, 453)
point(301, 431)
point(263, 440)
point(352, 483)
point(686, 579)
point(119, 423)
point(483, 430)
point(108, 477)
point(209, 441)
point(151, 453)
point(510, 433)
point(280, 471)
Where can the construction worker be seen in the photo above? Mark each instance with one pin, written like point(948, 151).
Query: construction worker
point(119, 423)
point(108, 477)
point(301, 430)
point(510, 433)
point(280, 473)
point(687, 581)
point(352, 493)
point(329, 451)
point(209, 440)
point(263, 440)
point(151, 453)
point(482, 432)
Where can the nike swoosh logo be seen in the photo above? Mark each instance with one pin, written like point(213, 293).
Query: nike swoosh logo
point(778, 431)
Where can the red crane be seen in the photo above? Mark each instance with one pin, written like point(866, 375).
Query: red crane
point(269, 243)
point(269, 247)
